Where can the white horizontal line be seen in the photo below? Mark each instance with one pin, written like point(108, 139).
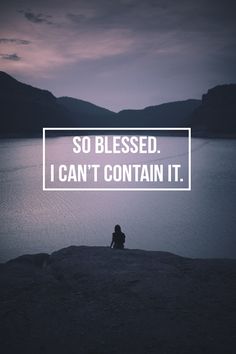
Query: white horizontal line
point(116, 189)
point(187, 129)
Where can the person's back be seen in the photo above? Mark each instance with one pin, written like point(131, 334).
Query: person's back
point(118, 238)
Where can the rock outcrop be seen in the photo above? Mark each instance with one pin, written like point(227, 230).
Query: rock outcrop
point(96, 300)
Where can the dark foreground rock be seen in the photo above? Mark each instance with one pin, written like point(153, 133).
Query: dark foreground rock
point(95, 300)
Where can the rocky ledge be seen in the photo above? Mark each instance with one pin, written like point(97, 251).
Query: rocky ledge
point(96, 300)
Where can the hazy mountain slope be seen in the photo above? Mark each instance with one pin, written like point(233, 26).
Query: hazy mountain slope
point(173, 114)
point(88, 114)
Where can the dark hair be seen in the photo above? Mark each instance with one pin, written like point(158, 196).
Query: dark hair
point(117, 228)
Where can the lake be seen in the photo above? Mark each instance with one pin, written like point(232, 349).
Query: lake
point(198, 223)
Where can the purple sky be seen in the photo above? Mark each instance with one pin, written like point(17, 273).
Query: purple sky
point(122, 53)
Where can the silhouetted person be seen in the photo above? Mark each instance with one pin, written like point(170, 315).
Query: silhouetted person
point(118, 238)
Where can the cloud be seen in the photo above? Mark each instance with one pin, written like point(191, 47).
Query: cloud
point(155, 15)
point(150, 46)
point(13, 57)
point(77, 18)
point(37, 18)
point(14, 41)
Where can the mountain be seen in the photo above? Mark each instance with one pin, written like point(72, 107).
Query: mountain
point(165, 115)
point(26, 109)
point(87, 114)
point(173, 114)
point(217, 112)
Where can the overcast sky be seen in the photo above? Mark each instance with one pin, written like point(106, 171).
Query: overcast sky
point(120, 53)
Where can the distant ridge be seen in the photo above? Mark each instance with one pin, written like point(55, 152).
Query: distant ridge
point(86, 113)
point(25, 110)
point(173, 114)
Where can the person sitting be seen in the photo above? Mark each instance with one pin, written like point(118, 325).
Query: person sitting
point(118, 238)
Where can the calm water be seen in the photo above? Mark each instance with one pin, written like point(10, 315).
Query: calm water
point(200, 223)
